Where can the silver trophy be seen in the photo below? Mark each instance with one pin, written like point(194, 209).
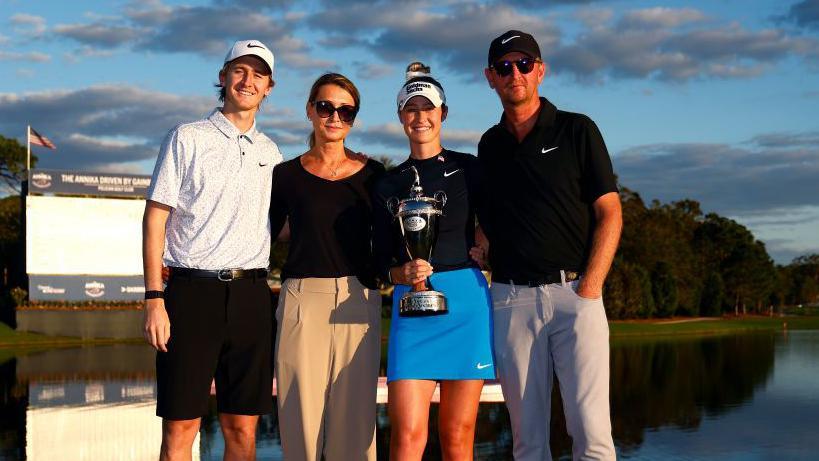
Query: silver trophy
point(418, 217)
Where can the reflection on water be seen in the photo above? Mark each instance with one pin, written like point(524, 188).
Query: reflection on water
point(736, 397)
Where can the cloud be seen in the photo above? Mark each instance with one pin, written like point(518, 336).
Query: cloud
point(461, 138)
point(767, 173)
point(787, 140)
point(805, 13)
point(368, 71)
point(457, 37)
point(100, 125)
point(661, 17)
point(387, 134)
point(675, 45)
point(286, 128)
point(261, 4)
point(203, 30)
point(540, 4)
point(86, 52)
point(594, 18)
point(101, 35)
point(104, 151)
point(208, 31)
point(148, 12)
point(659, 43)
point(787, 233)
point(33, 56)
point(108, 126)
point(28, 24)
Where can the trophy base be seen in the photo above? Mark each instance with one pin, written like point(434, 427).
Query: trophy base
point(422, 304)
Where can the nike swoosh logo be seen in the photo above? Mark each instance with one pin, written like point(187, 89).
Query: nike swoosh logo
point(481, 366)
point(263, 164)
point(450, 173)
point(250, 45)
point(503, 42)
point(546, 151)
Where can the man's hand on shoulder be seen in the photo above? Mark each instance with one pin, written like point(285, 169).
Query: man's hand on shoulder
point(157, 326)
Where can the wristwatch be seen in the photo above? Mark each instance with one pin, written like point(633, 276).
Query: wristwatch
point(153, 294)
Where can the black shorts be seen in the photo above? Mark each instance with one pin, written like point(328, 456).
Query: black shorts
point(222, 331)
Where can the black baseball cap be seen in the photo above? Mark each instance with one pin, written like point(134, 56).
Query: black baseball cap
point(513, 40)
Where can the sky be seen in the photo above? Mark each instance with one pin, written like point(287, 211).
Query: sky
point(712, 100)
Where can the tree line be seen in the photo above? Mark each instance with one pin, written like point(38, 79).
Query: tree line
point(675, 260)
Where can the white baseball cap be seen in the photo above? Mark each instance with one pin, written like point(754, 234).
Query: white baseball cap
point(250, 47)
point(421, 87)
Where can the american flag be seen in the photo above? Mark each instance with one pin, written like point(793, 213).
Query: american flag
point(40, 140)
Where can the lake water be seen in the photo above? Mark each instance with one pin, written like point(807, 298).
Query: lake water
point(739, 397)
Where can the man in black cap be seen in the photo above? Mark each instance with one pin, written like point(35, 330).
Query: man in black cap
point(553, 219)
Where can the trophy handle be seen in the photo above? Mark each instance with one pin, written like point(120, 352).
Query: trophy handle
point(440, 196)
point(392, 205)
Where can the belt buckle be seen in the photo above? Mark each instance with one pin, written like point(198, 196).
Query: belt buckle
point(225, 275)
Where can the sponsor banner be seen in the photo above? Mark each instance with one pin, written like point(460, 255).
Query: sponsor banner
point(86, 183)
point(85, 288)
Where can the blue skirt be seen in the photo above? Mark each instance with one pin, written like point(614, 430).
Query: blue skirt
point(452, 346)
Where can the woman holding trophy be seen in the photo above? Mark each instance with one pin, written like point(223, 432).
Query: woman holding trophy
point(328, 341)
point(441, 330)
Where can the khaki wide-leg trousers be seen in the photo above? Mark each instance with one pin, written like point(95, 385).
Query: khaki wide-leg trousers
point(328, 347)
point(546, 330)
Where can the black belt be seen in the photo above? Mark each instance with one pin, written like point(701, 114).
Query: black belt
point(225, 275)
point(545, 279)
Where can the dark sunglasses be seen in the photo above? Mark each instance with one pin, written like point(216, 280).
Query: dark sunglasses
point(524, 65)
point(325, 109)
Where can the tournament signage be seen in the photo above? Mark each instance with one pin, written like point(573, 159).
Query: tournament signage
point(85, 288)
point(83, 183)
point(84, 235)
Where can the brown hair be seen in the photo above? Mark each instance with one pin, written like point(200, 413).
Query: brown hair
point(331, 78)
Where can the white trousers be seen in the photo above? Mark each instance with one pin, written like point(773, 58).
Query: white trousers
point(546, 330)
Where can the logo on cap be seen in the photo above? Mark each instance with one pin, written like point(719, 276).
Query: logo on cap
point(250, 45)
point(503, 42)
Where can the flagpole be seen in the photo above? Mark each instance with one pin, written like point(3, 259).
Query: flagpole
point(28, 148)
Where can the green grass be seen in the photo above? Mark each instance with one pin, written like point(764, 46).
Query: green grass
point(10, 338)
point(711, 326)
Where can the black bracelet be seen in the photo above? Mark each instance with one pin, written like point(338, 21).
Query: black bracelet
point(153, 294)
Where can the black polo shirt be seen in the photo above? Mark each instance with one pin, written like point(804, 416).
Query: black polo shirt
point(538, 194)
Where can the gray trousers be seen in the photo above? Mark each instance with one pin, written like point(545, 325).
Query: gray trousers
point(546, 330)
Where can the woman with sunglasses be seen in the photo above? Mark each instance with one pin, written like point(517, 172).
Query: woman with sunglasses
point(453, 349)
point(328, 341)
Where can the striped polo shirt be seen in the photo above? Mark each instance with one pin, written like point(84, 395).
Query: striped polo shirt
point(217, 181)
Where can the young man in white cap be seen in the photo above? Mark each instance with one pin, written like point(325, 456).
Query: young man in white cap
point(206, 218)
point(553, 220)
